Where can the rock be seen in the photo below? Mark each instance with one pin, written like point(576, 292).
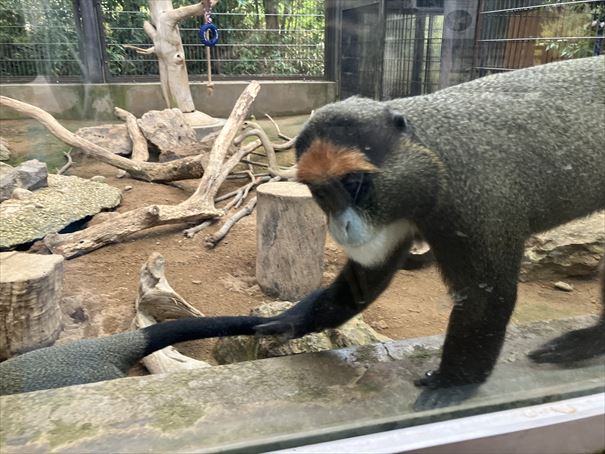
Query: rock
point(113, 137)
point(98, 179)
point(381, 324)
point(30, 175)
point(573, 249)
point(121, 174)
point(21, 194)
point(127, 188)
point(564, 286)
point(8, 182)
point(169, 131)
point(200, 119)
point(33, 174)
point(66, 199)
point(5, 151)
point(244, 348)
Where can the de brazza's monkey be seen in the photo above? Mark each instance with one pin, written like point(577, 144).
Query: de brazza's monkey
point(474, 169)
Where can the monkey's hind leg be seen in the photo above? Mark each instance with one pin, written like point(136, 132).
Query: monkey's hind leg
point(578, 345)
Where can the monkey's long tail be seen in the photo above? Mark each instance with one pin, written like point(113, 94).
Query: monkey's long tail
point(167, 333)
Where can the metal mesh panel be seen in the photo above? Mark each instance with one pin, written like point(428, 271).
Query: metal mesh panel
point(516, 34)
point(38, 39)
point(288, 42)
point(406, 64)
point(45, 39)
point(412, 54)
point(359, 59)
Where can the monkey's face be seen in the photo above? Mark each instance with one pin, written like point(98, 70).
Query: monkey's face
point(340, 151)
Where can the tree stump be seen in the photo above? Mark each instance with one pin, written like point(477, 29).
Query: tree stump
point(290, 239)
point(30, 291)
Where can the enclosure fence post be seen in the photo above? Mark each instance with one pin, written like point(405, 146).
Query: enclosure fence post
point(91, 45)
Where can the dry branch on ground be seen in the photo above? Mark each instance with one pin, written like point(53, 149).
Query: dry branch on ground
point(157, 301)
point(140, 151)
point(198, 207)
point(181, 169)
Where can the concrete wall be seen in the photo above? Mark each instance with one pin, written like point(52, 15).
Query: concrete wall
point(96, 101)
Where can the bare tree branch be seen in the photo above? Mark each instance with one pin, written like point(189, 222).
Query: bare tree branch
point(213, 240)
point(150, 30)
point(68, 164)
point(140, 50)
point(140, 151)
point(197, 9)
point(274, 167)
point(276, 126)
point(185, 168)
point(198, 207)
point(191, 232)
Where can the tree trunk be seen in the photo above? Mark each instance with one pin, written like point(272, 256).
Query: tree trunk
point(168, 47)
point(30, 291)
point(271, 19)
point(169, 50)
point(290, 239)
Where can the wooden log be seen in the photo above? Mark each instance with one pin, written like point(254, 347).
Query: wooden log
point(198, 207)
point(30, 291)
point(140, 151)
point(290, 239)
point(158, 300)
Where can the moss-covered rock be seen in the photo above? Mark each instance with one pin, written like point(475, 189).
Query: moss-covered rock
point(67, 199)
point(244, 348)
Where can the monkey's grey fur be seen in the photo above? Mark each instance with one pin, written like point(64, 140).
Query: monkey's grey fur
point(77, 362)
point(110, 357)
point(475, 168)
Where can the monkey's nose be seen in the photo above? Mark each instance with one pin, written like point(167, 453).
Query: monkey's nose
point(347, 228)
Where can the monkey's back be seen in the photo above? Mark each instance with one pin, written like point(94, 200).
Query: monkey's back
point(528, 144)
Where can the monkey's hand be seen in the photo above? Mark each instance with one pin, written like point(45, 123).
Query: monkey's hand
point(295, 322)
point(443, 390)
point(435, 379)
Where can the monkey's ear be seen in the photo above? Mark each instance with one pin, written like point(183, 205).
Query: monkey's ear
point(399, 120)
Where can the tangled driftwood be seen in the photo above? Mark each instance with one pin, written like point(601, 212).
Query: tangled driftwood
point(199, 207)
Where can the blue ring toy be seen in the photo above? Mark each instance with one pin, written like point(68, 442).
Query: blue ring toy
point(208, 27)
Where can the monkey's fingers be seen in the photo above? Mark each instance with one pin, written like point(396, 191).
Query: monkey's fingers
point(284, 329)
point(430, 399)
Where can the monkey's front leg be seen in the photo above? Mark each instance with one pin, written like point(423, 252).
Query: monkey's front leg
point(474, 337)
point(472, 345)
point(351, 292)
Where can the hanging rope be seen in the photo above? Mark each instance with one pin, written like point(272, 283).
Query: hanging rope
point(208, 34)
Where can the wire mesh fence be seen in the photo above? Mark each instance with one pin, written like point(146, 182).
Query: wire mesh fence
point(516, 34)
point(39, 38)
point(267, 38)
point(406, 63)
point(412, 54)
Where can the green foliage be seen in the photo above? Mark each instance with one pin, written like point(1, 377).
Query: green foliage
point(565, 31)
point(41, 38)
point(38, 38)
point(245, 46)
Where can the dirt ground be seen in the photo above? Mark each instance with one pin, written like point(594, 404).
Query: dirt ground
point(222, 281)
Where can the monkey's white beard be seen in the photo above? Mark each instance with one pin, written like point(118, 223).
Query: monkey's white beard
point(382, 244)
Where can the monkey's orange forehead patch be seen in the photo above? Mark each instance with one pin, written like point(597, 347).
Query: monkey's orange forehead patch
point(325, 160)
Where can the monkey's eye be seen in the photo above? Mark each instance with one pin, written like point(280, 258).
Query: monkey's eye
point(356, 185)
